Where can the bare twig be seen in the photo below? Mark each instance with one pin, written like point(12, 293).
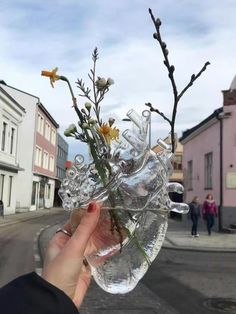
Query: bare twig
point(171, 70)
point(158, 112)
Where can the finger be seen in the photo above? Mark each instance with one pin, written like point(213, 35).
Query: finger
point(78, 242)
point(57, 243)
point(61, 238)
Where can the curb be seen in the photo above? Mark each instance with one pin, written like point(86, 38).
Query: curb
point(24, 219)
point(21, 220)
point(191, 249)
point(173, 246)
point(38, 258)
point(37, 253)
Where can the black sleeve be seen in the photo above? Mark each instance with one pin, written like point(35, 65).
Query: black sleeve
point(31, 294)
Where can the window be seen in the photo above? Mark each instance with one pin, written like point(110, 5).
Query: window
point(9, 190)
point(47, 131)
point(1, 185)
point(45, 160)
point(12, 144)
point(208, 170)
point(4, 136)
point(190, 175)
point(51, 163)
point(38, 156)
point(40, 123)
point(177, 164)
point(53, 137)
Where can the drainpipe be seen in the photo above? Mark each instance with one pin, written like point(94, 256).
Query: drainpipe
point(220, 116)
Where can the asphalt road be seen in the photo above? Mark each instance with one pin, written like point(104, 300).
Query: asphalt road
point(16, 246)
point(194, 282)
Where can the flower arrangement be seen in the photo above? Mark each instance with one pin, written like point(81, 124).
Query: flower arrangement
point(125, 175)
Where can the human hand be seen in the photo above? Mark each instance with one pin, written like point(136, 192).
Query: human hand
point(63, 266)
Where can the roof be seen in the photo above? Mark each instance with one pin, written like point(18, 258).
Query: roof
point(39, 103)
point(201, 124)
point(11, 98)
point(48, 114)
point(233, 84)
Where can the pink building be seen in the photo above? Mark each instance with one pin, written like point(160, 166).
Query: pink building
point(209, 158)
point(45, 152)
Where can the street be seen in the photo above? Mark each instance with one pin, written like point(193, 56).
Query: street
point(177, 282)
point(17, 242)
point(187, 279)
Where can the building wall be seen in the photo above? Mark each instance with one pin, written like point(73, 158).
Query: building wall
point(195, 150)
point(229, 166)
point(229, 159)
point(46, 144)
point(25, 153)
point(12, 115)
point(62, 156)
point(44, 171)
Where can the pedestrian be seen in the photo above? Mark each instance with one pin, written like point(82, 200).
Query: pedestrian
point(194, 209)
point(209, 212)
point(65, 277)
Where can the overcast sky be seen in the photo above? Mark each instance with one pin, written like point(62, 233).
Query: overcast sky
point(38, 35)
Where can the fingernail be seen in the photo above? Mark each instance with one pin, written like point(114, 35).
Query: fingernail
point(91, 208)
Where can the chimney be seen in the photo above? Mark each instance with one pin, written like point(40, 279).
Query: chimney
point(229, 96)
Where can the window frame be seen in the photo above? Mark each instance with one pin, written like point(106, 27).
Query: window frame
point(45, 160)
point(190, 175)
point(208, 171)
point(4, 143)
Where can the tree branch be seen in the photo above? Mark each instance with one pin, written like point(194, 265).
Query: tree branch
point(171, 69)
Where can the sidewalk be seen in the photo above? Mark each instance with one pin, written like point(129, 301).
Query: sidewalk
point(20, 217)
point(179, 237)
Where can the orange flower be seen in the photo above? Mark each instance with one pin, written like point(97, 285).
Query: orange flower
point(52, 75)
point(109, 133)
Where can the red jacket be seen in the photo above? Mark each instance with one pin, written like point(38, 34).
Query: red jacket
point(209, 207)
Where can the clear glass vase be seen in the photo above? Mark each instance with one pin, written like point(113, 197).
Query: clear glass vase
point(135, 206)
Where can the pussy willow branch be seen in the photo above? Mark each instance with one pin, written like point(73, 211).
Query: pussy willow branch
point(171, 69)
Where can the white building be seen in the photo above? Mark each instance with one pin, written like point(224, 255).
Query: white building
point(11, 117)
point(36, 183)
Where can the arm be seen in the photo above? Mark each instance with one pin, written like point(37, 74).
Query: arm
point(31, 294)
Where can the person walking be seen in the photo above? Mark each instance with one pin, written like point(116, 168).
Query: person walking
point(194, 208)
point(209, 212)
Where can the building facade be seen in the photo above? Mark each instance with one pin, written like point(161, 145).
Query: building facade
point(209, 158)
point(11, 117)
point(44, 168)
point(62, 156)
point(36, 153)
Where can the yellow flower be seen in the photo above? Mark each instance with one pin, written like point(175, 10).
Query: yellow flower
point(109, 133)
point(52, 75)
